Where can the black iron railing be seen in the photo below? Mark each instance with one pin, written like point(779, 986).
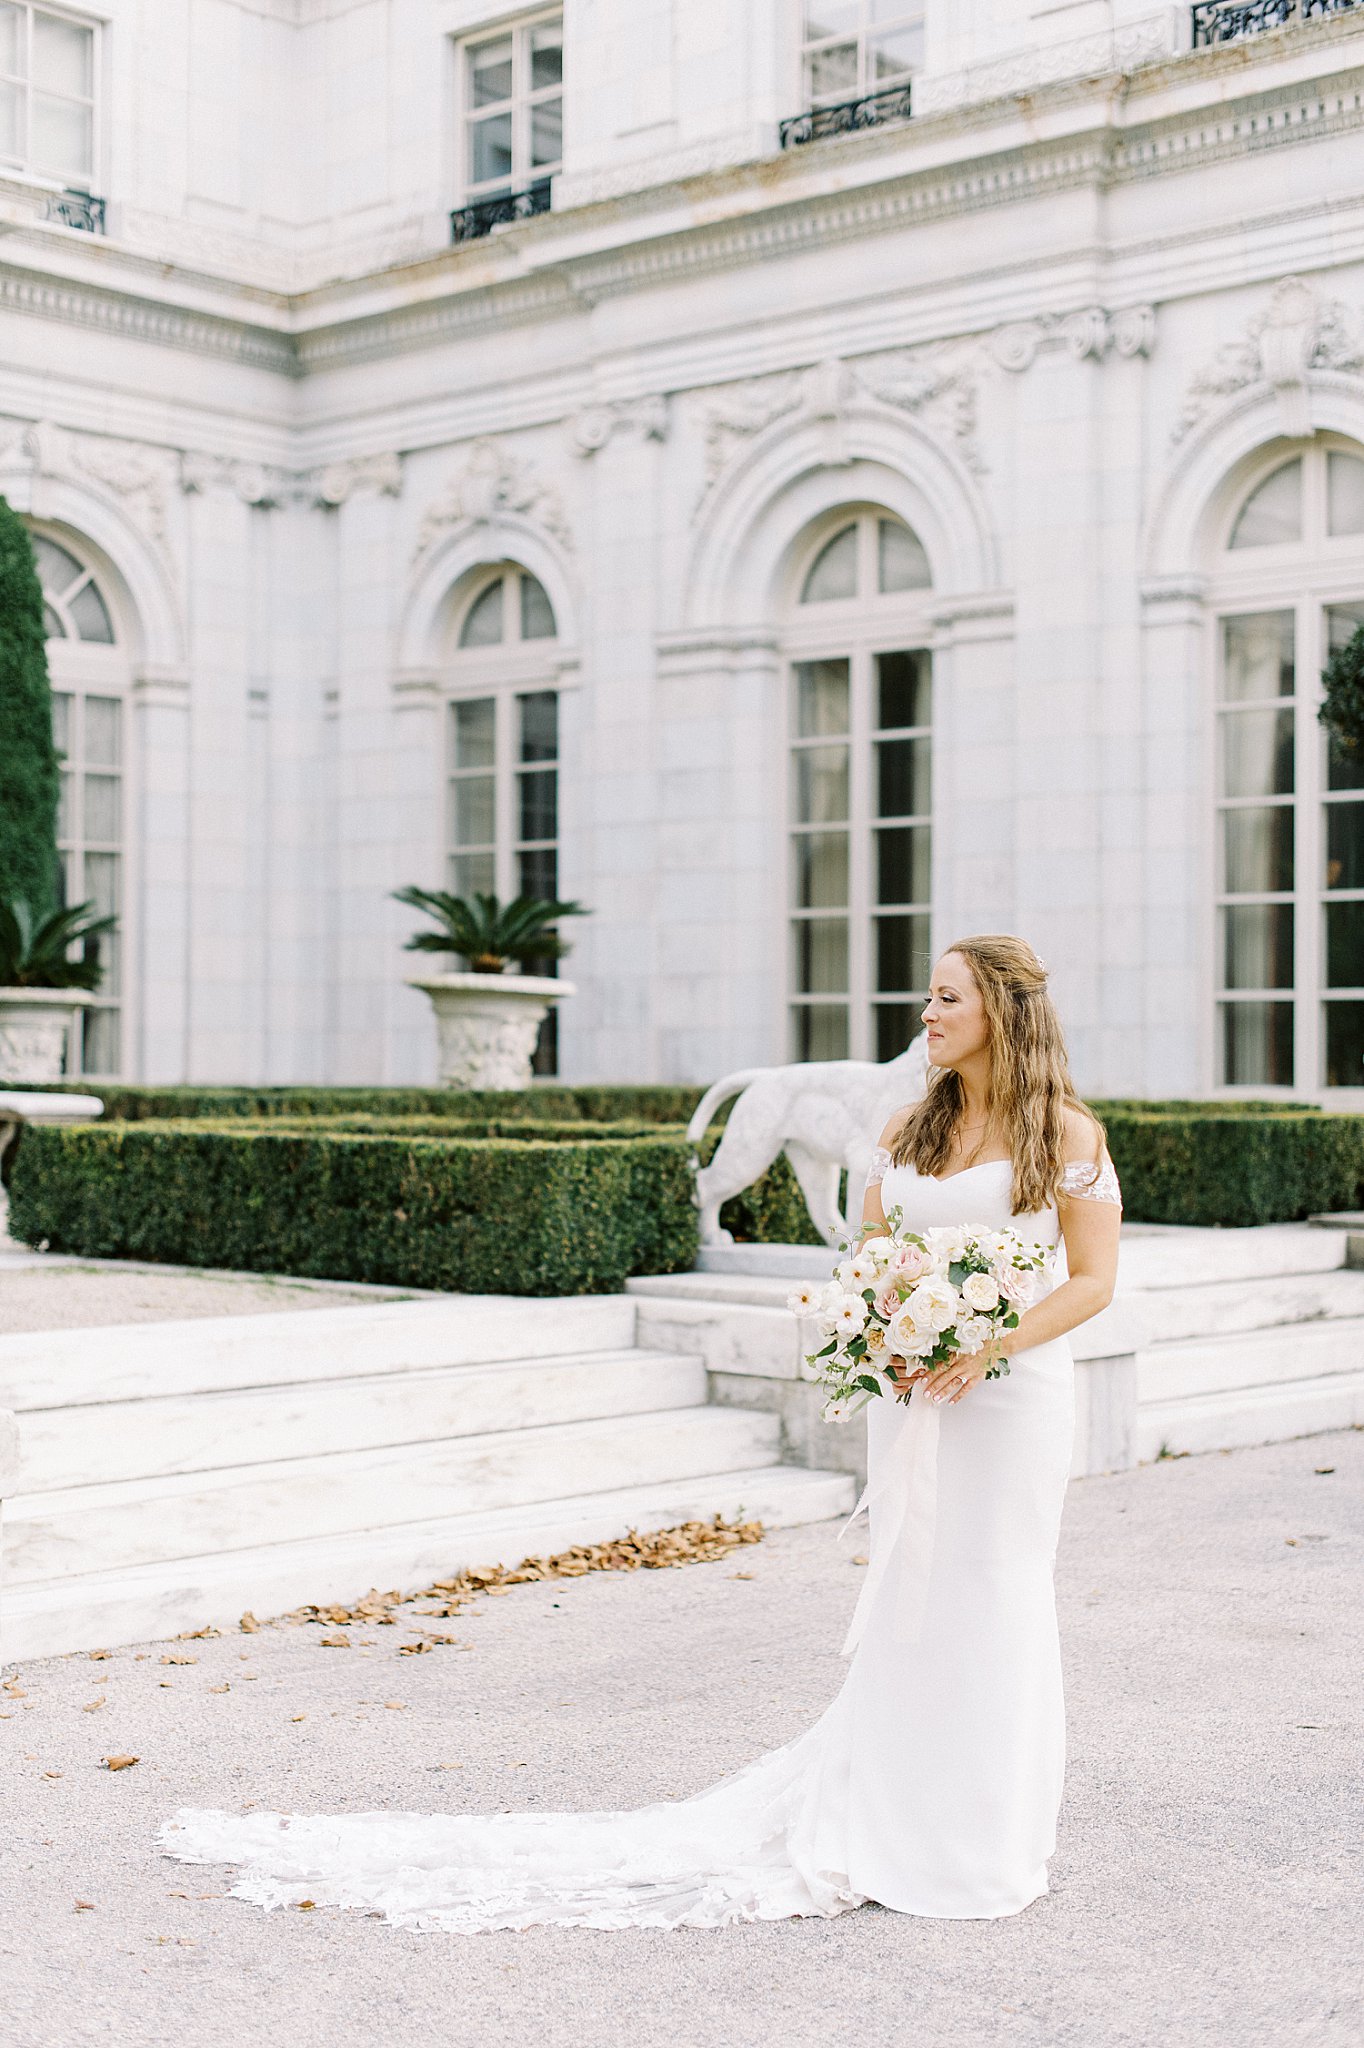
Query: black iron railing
point(77, 210)
point(871, 111)
point(467, 223)
point(1225, 21)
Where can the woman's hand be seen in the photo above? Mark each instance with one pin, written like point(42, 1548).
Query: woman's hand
point(948, 1383)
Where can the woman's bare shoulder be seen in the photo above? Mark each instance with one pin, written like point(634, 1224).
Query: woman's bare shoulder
point(1081, 1139)
point(890, 1136)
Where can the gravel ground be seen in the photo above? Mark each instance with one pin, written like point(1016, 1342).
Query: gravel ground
point(1206, 1890)
point(43, 1293)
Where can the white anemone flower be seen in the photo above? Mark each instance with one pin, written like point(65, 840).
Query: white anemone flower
point(851, 1317)
point(804, 1300)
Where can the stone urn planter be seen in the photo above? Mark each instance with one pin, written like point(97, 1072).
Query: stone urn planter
point(487, 1024)
point(34, 1023)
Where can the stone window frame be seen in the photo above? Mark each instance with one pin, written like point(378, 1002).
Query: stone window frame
point(860, 38)
point(521, 101)
point(23, 162)
point(1308, 579)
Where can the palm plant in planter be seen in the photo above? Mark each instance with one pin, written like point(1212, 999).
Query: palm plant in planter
point(487, 1020)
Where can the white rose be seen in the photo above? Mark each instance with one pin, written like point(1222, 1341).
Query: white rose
point(1018, 1288)
point(980, 1291)
point(973, 1334)
point(830, 1298)
point(947, 1243)
point(881, 1249)
point(933, 1305)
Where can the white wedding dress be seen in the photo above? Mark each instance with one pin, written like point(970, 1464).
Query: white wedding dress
point(930, 1785)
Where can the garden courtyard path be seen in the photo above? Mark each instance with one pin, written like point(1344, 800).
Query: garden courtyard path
point(1206, 1890)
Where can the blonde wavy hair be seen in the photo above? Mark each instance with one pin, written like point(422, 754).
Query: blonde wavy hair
point(1030, 1084)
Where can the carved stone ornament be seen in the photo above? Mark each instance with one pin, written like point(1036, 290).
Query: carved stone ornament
point(1087, 334)
point(1298, 333)
point(591, 429)
point(138, 475)
point(34, 1027)
point(255, 483)
point(382, 474)
point(487, 1024)
point(493, 482)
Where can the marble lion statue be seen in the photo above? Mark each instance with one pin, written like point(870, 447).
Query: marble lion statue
point(825, 1115)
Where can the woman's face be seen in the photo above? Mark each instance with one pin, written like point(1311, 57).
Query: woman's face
point(954, 1016)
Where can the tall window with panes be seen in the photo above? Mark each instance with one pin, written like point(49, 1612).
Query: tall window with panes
point(47, 93)
point(503, 753)
point(89, 721)
point(861, 714)
point(855, 47)
point(1289, 590)
point(513, 100)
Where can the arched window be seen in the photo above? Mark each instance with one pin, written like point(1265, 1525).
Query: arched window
point(1289, 589)
point(89, 685)
point(861, 688)
point(502, 810)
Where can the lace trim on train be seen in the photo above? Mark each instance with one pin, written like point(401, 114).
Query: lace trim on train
point(1083, 1182)
point(881, 1163)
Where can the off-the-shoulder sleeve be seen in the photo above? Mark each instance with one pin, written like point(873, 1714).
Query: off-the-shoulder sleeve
point(881, 1164)
point(1085, 1182)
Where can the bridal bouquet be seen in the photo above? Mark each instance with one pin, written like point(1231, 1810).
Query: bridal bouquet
point(908, 1300)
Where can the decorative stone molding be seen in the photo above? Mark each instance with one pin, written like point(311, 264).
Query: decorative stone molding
point(1297, 335)
point(255, 483)
point(339, 481)
point(1088, 333)
point(1023, 71)
point(493, 482)
point(591, 429)
point(139, 476)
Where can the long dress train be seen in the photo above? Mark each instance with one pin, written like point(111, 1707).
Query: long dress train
point(954, 1637)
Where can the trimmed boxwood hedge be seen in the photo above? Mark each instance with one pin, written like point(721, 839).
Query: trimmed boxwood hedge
point(545, 1102)
point(1270, 1166)
point(483, 1216)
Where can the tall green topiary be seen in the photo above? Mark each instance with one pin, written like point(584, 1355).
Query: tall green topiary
point(28, 758)
point(1342, 710)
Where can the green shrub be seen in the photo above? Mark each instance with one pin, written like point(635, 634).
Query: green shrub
point(1268, 1166)
point(491, 1216)
point(543, 1103)
point(28, 758)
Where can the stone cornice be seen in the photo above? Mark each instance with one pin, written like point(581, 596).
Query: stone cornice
point(145, 319)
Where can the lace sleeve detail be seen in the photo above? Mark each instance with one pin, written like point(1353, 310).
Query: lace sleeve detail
point(1084, 1182)
point(881, 1163)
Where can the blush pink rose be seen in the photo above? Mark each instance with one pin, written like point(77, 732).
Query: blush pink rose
point(910, 1263)
point(1017, 1287)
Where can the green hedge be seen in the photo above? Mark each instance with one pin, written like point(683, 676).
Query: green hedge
point(1268, 1166)
point(490, 1216)
point(545, 1102)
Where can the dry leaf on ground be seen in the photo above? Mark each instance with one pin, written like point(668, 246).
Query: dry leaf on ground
point(248, 1624)
point(91, 1706)
point(176, 1657)
point(119, 1763)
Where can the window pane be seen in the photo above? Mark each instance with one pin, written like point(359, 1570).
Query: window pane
point(61, 721)
point(490, 144)
point(821, 955)
point(1258, 849)
point(821, 698)
point(833, 72)
point(833, 573)
point(11, 42)
point(902, 864)
point(1344, 1045)
point(101, 882)
point(57, 570)
point(546, 132)
point(821, 1031)
point(893, 54)
point(1343, 621)
point(537, 872)
point(52, 625)
point(904, 689)
point(546, 55)
point(66, 817)
point(821, 785)
point(483, 626)
point(61, 140)
point(89, 616)
point(472, 874)
point(1345, 945)
point(475, 724)
point(821, 865)
point(900, 558)
point(903, 778)
point(100, 1042)
point(471, 811)
point(490, 71)
point(829, 18)
point(539, 716)
point(1344, 493)
point(902, 956)
point(1257, 1045)
point(103, 728)
point(11, 120)
point(102, 807)
point(1257, 656)
point(537, 613)
point(1343, 770)
point(63, 56)
point(538, 804)
point(1345, 846)
point(1272, 514)
point(896, 1025)
point(1257, 945)
point(1257, 753)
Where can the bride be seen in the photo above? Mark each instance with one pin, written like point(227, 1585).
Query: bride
point(955, 1632)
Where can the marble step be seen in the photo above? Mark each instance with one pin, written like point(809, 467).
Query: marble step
point(1158, 1255)
point(1259, 1359)
point(129, 1361)
point(1230, 1418)
point(106, 1609)
point(179, 1433)
point(1212, 1308)
point(145, 1521)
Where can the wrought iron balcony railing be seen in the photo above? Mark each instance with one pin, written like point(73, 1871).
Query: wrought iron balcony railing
point(873, 110)
point(77, 210)
point(1225, 21)
point(467, 223)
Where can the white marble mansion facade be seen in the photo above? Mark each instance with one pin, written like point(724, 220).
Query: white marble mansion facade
point(802, 540)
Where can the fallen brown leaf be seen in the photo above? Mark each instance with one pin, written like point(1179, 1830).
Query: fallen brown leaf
point(741, 1575)
point(52, 1774)
point(175, 1657)
point(224, 1687)
point(120, 1763)
point(248, 1624)
point(92, 1706)
point(414, 1649)
point(307, 1905)
point(198, 1635)
point(99, 1656)
point(85, 1905)
point(335, 1643)
point(397, 1706)
point(859, 1559)
point(298, 1717)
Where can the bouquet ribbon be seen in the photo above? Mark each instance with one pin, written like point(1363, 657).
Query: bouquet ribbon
point(902, 1490)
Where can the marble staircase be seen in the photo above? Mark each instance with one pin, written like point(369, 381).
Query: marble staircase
point(171, 1475)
